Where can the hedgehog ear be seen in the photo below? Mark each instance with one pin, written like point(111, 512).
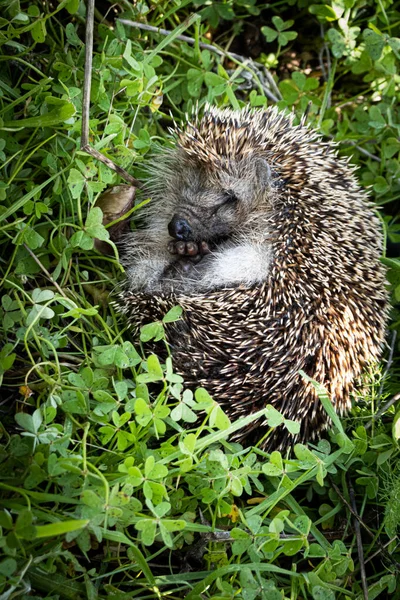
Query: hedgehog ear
point(263, 172)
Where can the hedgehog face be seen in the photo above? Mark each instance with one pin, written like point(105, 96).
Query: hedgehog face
point(213, 205)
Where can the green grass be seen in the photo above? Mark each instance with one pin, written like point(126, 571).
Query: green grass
point(108, 487)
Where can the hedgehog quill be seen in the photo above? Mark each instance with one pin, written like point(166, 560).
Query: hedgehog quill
point(264, 237)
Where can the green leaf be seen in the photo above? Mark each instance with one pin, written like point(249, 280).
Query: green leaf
point(39, 295)
point(123, 357)
point(155, 372)
point(195, 80)
point(173, 314)
point(288, 91)
point(54, 529)
point(300, 79)
point(271, 470)
point(72, 35)
point(338, 43)
point(39, 312)
point(38, 31)
point(152, 331)
point(315, 551)
point(396, 426)
point(236, 486)
point(218, 418)
point(203, 397)
point(80, 239)
point(212, 79)
point(303, 524)
point(292, 546)
point(279, 23)
point(274, 417)
point(33, 11)
point(323, 11)
point(8, 567)
point(304, 454)
point(23, 527)
point(322, 593)
point(270, 34)
point(293, 427)
point(377, 120)
point(158, 472)
point(374, 43)
point(394, 44)
point(74, 402)
point(148, 529)
point(72, 6)
point(143, 412)
point(242, 541)
point(285, 37)
point(5, 519)
point(76, 181)
point(55, 117)
point(132, 62)
point(381, 186)
point(174, 524)
point(94, 220)
point(28, 422)
point(33, 239)
point(391, 147)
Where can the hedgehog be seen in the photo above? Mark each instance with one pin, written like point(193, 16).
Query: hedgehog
point(264, 237)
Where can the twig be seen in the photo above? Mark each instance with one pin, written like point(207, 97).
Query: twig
point(359, 540)
point(355, 514)
point(382, 410)
point(182, 38)
point(45, 271)
point(362, 150)
point(275, 96)
point(324, 49)
point(382, 548)
point(389, 362)
point(85, 146)
point(359, 148)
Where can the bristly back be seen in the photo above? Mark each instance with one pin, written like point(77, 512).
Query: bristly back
point(291, 278)
point(218, 136)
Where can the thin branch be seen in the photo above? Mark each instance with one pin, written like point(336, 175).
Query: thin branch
point(362, 150)
point(360, 548)
point(381, 547)
point(275, 96)
point(384, 546)
point(85, 146)
point(88, 73)
point(389, 361)
point(109, 163)
point(45, 271)
point(324, 50)
point(182, 38)
point(355, 514)
point(382, 410)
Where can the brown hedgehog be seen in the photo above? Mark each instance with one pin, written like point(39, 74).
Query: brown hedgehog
point(264, 237)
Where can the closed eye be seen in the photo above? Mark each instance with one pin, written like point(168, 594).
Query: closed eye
point(229, 197)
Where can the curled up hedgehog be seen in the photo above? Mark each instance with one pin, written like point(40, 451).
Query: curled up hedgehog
point(264, 237)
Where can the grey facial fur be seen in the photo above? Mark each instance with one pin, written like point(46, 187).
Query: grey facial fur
point(227, 208)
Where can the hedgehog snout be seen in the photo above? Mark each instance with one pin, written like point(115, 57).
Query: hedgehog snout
point(179, 229)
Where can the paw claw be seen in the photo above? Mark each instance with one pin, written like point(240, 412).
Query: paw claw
point(190, 249)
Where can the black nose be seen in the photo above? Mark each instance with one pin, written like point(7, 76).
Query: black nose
point(179, 229)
